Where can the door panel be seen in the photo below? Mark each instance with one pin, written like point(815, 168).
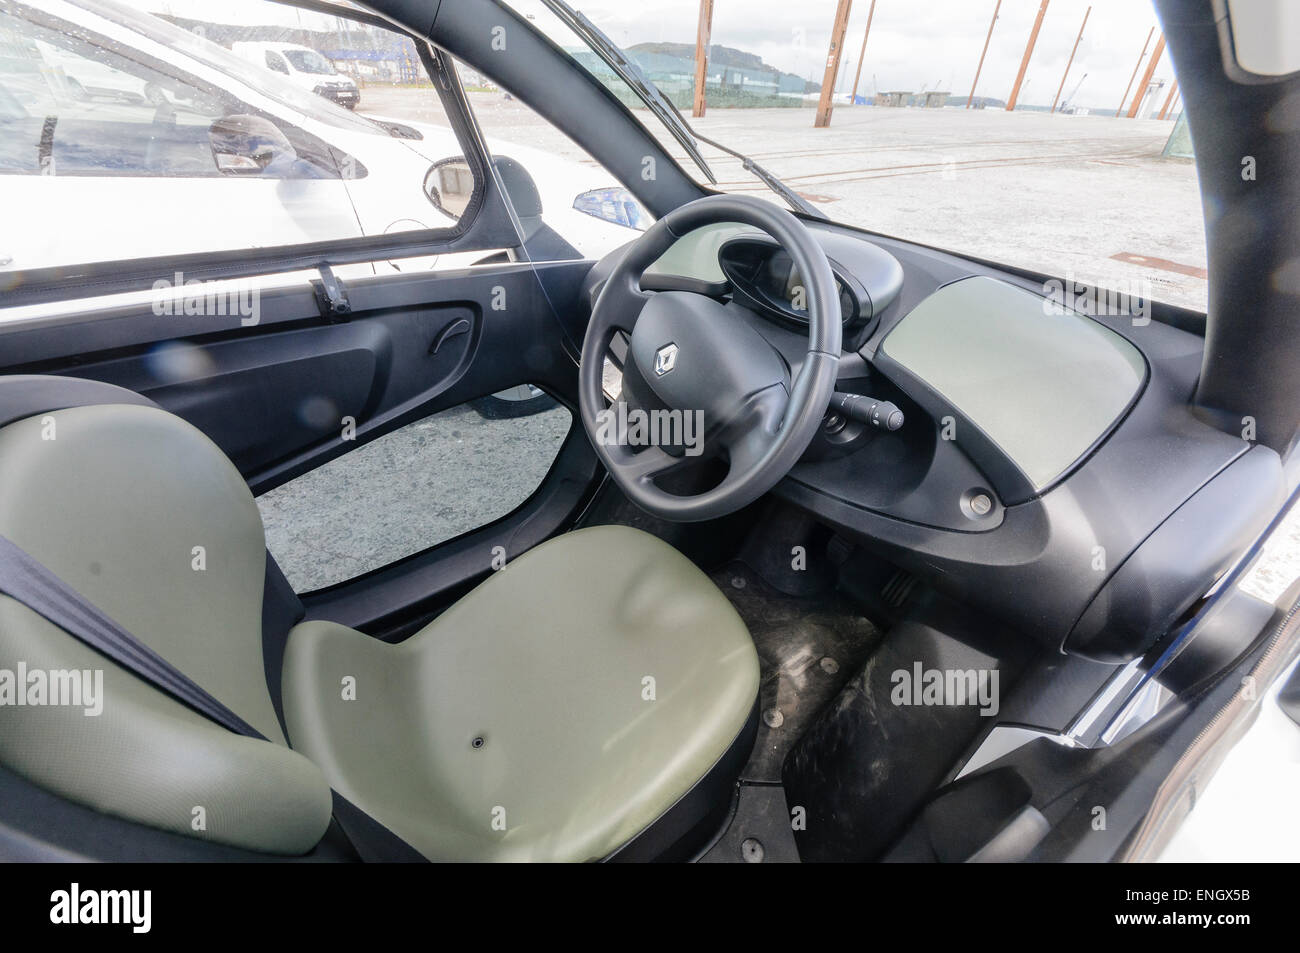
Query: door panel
point(274, 395)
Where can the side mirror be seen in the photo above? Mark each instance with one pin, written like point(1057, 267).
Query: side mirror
point(449, 185)
point(249, 145)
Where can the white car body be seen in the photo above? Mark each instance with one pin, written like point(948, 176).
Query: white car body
point(53, 219)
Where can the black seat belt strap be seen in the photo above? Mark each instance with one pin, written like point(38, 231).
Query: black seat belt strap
point(26, 580)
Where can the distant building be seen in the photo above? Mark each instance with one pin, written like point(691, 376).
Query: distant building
point(736, 75)
point(895, 98)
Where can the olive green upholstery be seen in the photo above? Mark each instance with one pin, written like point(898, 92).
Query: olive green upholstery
point(114, 499)
point(552, 714)
point(548, 666)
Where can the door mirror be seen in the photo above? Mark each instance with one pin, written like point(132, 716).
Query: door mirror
point(249, 145)
point(449, 185)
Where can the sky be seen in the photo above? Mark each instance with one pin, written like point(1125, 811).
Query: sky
point(915, 43)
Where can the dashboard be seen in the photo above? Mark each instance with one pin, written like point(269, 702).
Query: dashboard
point(1051, 469)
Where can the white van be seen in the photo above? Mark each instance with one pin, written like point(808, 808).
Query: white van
point(305, 67)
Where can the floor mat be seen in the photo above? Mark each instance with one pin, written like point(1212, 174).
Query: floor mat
point(808, 647)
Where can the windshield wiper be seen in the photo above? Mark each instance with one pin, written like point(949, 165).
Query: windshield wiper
point(627, 70)
point(797, 201)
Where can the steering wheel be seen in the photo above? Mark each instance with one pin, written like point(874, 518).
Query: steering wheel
point(690, 354)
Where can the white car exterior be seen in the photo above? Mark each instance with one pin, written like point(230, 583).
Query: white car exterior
point(61, 218)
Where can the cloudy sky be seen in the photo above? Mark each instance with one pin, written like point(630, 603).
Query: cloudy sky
point(914, 43)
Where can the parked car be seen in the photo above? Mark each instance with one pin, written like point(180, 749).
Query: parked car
point(304, 66)
point(140, 125)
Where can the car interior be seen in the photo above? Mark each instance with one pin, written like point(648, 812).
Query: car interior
point(913, 462)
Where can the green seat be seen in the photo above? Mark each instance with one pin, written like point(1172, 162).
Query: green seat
point(551, 714)
point(555, 712)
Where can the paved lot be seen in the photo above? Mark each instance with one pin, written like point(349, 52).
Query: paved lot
point(1060, 194)
point(400, 494)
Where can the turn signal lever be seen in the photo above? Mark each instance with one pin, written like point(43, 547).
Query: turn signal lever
point(867, 410)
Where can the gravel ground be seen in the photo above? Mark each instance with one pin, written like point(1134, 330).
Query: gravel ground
point(1280, 565)
point(426, 483)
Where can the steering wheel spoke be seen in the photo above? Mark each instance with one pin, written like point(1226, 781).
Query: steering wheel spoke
point(646, 464)
point(750, 436)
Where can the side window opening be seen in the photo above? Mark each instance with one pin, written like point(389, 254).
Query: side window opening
point(140, 122)
point(407, 491)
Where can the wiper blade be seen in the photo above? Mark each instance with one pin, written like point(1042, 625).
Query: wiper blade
point(629, 72)
point(797, 201)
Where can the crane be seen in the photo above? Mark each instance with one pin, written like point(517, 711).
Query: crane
point(1066, 106)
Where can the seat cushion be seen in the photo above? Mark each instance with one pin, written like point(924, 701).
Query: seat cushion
point(552, 714)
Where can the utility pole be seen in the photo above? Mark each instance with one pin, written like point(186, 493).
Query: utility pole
point(1070, 62)
point(1141, 92)
point(1173, 89)
point(702, 55)
point(827, 101)
point(1136, 66)
point(863, 55)
point(983, 52)
point(1029, 51)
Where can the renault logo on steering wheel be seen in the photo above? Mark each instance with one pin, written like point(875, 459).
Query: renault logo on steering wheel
point(665, 359)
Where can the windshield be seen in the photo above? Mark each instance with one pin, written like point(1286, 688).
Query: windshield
point(916, 146)
point(309, 61)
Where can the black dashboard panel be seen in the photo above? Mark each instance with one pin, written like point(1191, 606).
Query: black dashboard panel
point(1112, 537)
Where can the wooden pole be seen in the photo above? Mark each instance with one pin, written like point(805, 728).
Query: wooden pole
point(988, 36)
point(1141, 92)
point(863, 55)
point(1029, 51)
point(827, 101)
point(702, 55)
point(1136, 67)
point(1070, 61)
point(1173, 88)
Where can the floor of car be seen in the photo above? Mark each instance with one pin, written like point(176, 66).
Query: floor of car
point(808, 649)
point(758, 832)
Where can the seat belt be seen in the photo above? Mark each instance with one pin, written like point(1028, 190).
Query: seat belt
point(24, 579)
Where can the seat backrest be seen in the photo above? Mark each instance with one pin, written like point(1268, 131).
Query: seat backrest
point(146, 518)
